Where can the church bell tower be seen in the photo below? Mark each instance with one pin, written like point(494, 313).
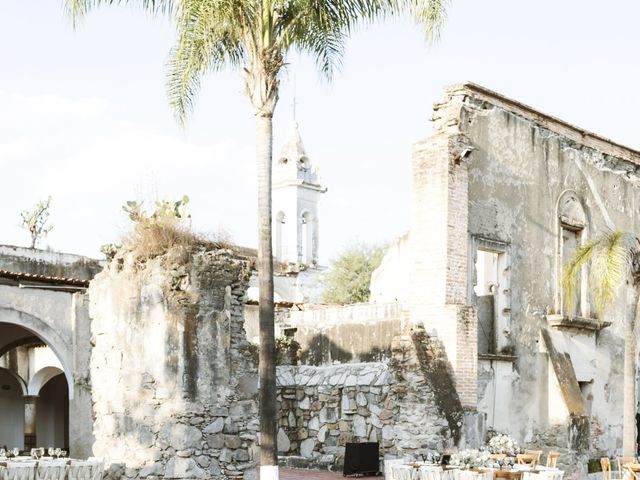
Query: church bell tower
point(296, 191)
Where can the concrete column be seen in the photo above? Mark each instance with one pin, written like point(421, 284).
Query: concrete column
point(30, 422)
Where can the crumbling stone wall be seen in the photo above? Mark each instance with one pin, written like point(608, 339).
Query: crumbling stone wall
point(174, 380)
point(393, 403)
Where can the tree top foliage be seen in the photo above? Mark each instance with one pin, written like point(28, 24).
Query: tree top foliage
point(349, 277)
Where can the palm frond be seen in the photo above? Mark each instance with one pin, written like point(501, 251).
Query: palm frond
point(78, 9)
point(325, 47)
point(611, 259)
point(571, 273)
point(611, 267)
point(208, 39)
point(321, 27)
point(430, 14)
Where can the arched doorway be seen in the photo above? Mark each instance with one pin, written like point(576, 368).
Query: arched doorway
point(34, 389)
point(12, 407)
point(52, 407)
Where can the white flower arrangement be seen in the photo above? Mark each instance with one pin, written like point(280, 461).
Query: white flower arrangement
point(502, 443)
point(472, 458)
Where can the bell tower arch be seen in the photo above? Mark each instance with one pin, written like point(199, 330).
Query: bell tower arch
point(296, 193)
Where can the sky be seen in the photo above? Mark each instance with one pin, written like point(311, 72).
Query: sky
point(84, 116)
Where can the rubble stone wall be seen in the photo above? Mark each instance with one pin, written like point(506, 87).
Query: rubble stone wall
point(393, 403)
point(174, 380)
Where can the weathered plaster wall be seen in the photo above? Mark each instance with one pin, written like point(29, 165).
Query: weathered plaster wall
point(174, 378)
point(390, 281)
point(497, 173)
point(500, 176)
point(341, 334)
point(518, 171)
point(44, 262)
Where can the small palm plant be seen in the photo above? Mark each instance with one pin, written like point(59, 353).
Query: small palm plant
point(613, 259)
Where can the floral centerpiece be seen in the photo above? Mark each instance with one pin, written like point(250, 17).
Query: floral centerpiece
point(472, 458)
point(502, 443)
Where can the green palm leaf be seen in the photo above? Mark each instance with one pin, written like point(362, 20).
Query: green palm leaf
point(611, 258)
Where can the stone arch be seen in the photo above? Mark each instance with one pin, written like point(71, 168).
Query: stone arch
point(570, 210)
point(28, 341)
point(47, 334)
point(40, 379)
point(18, 378)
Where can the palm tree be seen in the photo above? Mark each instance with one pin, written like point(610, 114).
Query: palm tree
point(255, 36)
point(614, 263)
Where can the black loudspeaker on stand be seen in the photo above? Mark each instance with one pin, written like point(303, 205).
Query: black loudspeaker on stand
point(361, 459)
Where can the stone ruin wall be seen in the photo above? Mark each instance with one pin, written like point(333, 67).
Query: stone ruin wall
point(518, 168)
point(407, 403)
point(174, 380)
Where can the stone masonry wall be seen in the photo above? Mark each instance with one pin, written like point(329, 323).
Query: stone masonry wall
point(398, 403)
point(174, 380)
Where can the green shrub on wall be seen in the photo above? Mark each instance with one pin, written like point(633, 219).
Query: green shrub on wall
point(287, 349)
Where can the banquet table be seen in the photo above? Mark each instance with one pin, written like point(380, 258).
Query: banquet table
point(25, 468)
point(423, 471)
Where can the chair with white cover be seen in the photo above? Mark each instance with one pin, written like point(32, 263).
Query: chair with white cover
point(430, 473)
point(20, 471)
point(98, 469)
point(81, 470)
point(402, 472)
point(51, 470)
point(389, 463)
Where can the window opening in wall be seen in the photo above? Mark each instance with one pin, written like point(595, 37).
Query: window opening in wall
point(279, 234)
point(485, 290)
point(572, 230)
point(491, 294)
point(571, 239)
point(305, 238)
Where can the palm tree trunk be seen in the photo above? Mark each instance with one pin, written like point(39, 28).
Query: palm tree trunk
point(268, 402)
point(629, 406)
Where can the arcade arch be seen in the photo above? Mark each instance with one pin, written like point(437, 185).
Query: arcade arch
point(34, 389)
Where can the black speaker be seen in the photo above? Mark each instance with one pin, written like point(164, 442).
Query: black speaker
point(361, 459)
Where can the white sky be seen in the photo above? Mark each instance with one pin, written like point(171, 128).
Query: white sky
point(83, 114)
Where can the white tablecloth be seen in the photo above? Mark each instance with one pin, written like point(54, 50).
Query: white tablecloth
point(402, 471)
point(23, 469)
point(543, 475)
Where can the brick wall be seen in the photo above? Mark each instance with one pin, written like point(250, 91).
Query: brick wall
point(439, 245)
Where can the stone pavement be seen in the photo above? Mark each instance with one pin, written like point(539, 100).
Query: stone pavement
point(300, 474)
